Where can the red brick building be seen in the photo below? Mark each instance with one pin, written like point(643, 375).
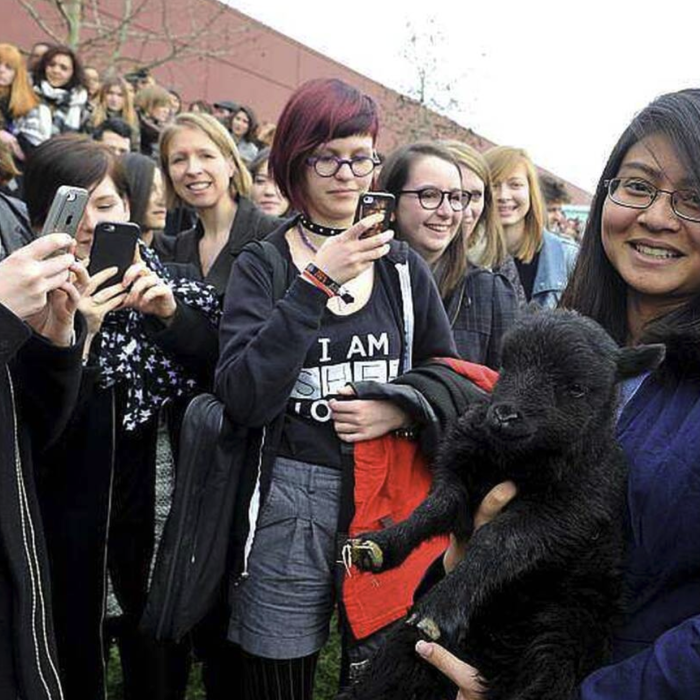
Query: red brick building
point(241, 60)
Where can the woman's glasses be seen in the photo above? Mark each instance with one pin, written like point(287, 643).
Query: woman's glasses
point(432, 198)
point(328, 166)
point(636, 193)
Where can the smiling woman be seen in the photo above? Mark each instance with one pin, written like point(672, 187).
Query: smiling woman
point(203, 170)
point(544, 260)
point(638, 275)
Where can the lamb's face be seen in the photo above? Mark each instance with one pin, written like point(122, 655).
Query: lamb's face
point(557, 382)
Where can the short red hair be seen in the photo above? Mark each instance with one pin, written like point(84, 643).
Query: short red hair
point(319, 111)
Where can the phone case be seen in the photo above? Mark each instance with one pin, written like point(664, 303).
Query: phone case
point(66, 211)
point(113, 245)
point(375, 203)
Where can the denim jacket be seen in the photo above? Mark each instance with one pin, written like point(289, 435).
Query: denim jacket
point(557, 259)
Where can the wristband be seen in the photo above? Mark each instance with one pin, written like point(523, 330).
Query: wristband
point(318, 275)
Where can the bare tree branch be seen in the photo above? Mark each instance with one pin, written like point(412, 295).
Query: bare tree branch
point(120, 39)
point(34, 14)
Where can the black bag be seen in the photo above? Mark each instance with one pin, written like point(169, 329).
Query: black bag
point(193, 557)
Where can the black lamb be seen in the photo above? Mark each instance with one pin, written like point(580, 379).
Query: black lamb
point(532, 604)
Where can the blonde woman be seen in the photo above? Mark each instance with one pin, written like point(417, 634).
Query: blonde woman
point(114, 100)
point(544, 261)
point(203, 170)
point(486, 244)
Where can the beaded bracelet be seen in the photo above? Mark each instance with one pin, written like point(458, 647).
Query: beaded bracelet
point(322, 280)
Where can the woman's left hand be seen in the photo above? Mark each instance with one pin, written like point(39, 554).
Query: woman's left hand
point(148, 293)
point(464, 676)
point(365, 419)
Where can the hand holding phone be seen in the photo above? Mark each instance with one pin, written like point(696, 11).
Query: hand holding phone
point(375, 203)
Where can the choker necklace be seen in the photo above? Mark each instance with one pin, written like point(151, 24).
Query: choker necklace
point(305, 239)
point(317, 228)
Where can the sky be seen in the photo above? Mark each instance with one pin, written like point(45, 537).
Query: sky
point(560, 79)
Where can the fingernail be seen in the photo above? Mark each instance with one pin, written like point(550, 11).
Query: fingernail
point(423, 649)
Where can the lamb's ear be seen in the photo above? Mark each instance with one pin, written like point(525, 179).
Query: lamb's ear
point(641, 358)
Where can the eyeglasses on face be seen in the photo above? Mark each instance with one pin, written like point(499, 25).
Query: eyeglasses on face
point(637, 193)
point(328, 166)
point(432, 198)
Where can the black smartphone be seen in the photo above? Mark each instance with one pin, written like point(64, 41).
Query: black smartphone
point(113, 245)
point(375, 203)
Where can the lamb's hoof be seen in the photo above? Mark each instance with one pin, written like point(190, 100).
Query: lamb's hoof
point(367, 555)
point(426, 625)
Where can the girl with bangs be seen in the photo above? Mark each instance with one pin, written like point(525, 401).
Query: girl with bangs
point(481, 305)
point(544, 260)
point(24, 122)
point(286, 363)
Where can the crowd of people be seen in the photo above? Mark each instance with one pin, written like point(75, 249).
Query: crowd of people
point(254, 280)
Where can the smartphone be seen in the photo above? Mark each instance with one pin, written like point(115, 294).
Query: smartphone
point(375, 203)
point(113, 245)
point(66, 211)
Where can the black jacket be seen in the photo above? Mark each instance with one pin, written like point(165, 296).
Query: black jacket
point(15, 230)
point(190, 336)
point(182, 251)
point(38, 387)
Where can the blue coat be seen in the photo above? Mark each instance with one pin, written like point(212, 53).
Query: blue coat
point(657, 647)
point(557, 260)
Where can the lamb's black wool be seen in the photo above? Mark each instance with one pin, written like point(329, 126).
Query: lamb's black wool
point(532, 603)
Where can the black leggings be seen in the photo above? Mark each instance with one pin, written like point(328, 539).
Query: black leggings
point(272, 679)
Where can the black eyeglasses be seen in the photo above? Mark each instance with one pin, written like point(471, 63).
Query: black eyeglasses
point(328, 166)
point(636, 193)
point(432, 198)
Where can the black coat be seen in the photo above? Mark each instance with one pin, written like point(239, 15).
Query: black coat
point(190, 336)
point(38, 387)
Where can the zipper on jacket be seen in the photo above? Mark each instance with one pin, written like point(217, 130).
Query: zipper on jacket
point(178, 539)
point(32, 559)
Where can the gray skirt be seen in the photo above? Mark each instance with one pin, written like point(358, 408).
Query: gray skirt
point(283, 608)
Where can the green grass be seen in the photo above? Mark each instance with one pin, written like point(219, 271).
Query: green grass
point(326, 675)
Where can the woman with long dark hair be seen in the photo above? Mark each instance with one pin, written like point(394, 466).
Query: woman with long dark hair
point(244, 125)
point(60, 85)
point(638, 275)
point(425, 179)
point(286, 362)
point(101, 470)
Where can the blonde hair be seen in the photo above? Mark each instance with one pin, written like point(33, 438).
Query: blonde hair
point(488, 229)
point(502, 161)
point(150, 97)
point(22, 97)
point(241, 182)
point(128, 111)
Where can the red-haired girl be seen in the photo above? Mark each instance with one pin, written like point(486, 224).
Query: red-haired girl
point(346, 316)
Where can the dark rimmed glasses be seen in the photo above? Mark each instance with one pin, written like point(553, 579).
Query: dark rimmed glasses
point(432, 198)
point(328, 166)
point(636, 193)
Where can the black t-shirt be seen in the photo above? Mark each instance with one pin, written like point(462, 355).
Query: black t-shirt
point(366, 345)
point(528, 272)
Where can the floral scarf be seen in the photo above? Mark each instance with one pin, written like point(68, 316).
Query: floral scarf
point(128, 356)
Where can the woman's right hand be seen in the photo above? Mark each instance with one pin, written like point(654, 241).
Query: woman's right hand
point(494, 502)
point(347, 255)
point(95, 306)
